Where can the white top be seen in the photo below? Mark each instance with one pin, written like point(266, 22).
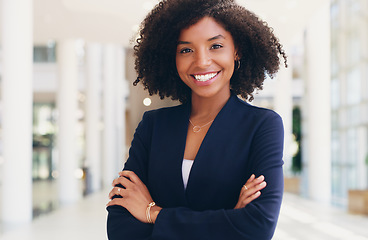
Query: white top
point(185, 169)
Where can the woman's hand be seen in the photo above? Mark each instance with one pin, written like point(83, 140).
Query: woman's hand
point(135, 196)
point(250, 190)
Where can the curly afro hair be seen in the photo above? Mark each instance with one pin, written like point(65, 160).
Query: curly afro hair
point(155, 49)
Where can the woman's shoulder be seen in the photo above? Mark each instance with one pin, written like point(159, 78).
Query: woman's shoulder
point(256, 118)
point(255, 111)
point(165, 111)
point(158, 117)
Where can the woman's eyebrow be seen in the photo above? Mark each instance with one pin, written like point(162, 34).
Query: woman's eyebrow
point(183, 42)
point(216, 37)
point(209, 40)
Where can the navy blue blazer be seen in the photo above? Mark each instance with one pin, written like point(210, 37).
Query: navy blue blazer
point(242, 140)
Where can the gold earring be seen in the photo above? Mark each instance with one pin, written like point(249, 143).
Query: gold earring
point(237, 63)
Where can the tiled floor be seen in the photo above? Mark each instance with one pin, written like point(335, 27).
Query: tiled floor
point(300, 219)
point(84, 220)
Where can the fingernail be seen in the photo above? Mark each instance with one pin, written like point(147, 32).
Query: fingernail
point(261, 177)
point(263, 184)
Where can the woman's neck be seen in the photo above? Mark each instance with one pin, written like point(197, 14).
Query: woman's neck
point(207, 108)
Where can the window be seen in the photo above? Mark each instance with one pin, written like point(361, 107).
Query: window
point(44, 54)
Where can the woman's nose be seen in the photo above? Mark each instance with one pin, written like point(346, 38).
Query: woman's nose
point(203, 59)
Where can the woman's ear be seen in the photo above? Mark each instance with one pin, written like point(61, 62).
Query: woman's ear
point(237, 55)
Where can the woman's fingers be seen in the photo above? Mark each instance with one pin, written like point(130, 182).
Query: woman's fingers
point(252, 177)
point(245, 199)
point(130, 175)
point(252, 182)
point(251, 190)
point(254, 189)
point(117, 191)
point(135, 195)
point(116, 201)
point(125, 182)
point(249, 199)
point(119, 185)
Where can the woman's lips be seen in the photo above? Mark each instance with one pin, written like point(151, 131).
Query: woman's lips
point(205, 79)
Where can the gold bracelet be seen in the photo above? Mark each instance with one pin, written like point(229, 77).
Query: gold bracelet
point(148, 213)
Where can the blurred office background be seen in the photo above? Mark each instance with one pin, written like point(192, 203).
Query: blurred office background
point(68, 109)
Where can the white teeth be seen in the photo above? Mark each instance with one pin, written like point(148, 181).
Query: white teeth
point(206, 77)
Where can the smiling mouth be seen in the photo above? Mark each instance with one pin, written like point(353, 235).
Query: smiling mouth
point(204, 77)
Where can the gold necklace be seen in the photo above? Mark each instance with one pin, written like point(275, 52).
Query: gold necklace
point(197, 128)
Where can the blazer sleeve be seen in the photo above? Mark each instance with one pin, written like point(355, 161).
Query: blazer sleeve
point(120, 223)
point(257, 220)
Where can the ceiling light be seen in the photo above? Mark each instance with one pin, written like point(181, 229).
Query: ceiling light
point(147, 102)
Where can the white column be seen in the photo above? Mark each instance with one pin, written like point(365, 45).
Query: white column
point(318, 106)
point(17, 46)
point(109, 116)
point(362, 135)
point(67, 104)
point(93, 115)
point(284, 106)
point(121, 107)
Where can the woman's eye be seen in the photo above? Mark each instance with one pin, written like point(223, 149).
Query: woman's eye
point(186, 50)
point(216, 46)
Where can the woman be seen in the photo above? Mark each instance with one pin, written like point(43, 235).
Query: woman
point(191, 171)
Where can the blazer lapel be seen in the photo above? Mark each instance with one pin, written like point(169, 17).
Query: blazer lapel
point(209, 160)
point(167, 152)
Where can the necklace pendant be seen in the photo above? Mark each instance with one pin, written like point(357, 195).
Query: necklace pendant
point(196, 129)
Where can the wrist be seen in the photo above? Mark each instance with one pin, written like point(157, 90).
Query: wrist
point(155, 210)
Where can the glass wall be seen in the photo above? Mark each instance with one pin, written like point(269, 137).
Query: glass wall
point(45, 54)
point(43, 140)
point(349, 91)
point(43, 162)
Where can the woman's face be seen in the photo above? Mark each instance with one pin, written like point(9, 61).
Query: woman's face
point(205, 58)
